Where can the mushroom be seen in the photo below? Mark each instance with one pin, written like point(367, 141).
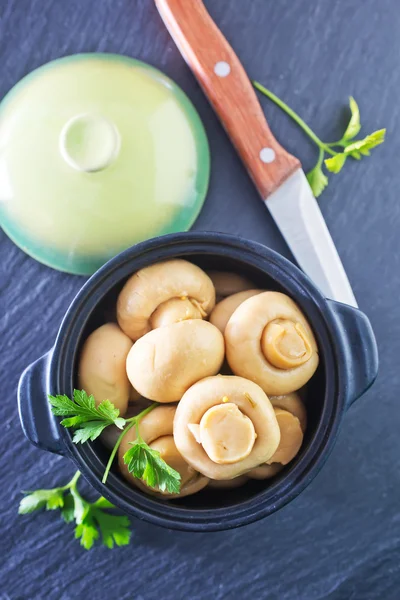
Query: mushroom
point(293, 404)
point(223, 311)
point(165, 362)
point(164, 293)
point(289, 446)
point(224, 426)
point(228, 484)
point(291, 437)
point(156, 430)
point(102, 370)
point(269, 340)
point(227, 283)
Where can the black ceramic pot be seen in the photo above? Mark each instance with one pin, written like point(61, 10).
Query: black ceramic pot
point(348, 367)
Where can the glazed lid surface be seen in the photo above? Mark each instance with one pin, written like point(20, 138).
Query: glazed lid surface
point(97, 153)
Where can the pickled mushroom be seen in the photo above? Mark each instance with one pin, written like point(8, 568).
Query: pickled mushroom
point(269, 341)
point(165, 362)
point(102, 366)
point(293, 404)
point(291, 437)
point(164, 293)
point(227, 283)
point(203, 427)
point(156, 430)
point(289, 446)
point(223, 311)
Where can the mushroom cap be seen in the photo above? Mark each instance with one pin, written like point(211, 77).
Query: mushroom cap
point(249, 399)
point(291, 437)
point(293, 404)
point(223, 311)
point(102, 366)
point(271, 323)
point(227, 283)
point(289, 446)
point(165, 362)
point(156, 429)
point(156, 285)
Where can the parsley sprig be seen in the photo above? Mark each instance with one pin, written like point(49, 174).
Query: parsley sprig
point(83, 414)
point(146, 464)
point(90, 420)
point(92, 520)
point(339, 151)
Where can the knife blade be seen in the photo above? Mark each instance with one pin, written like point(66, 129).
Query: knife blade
point(298, 216)
point(277, 174)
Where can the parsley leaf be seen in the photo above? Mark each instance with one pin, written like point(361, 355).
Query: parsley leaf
point(49, 499)
point(87, 532)
point(82, 413)
point(81, 507)
point(91, 519)
point(354, 125)
point(356, 150)
point(68, 510)
point(114, 528)
point(365, 145)
point(146, 464)
point(317, 180)
point(335, 163)
point(338, 151)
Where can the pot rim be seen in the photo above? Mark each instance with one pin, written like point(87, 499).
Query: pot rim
point(330, 340)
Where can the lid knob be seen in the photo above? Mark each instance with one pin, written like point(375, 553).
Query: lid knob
point(89, 143)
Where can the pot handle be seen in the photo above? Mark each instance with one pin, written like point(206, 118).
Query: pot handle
point(361, 357)
point(37, 421)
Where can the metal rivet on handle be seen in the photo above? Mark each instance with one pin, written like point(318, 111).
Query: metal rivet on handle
point(267, 155)
point(222, 68)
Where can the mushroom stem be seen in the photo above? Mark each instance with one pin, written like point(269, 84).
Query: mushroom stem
point(226, 434)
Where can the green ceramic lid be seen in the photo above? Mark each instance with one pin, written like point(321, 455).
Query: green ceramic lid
point(97, 153)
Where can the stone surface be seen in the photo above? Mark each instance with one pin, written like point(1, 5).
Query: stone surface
point(341, 538)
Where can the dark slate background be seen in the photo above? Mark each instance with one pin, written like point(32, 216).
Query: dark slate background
point(341, 538)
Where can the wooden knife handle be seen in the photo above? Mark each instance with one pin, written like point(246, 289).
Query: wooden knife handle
point(224, 81)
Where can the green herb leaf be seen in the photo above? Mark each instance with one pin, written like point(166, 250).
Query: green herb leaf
point(363, 146)
point(81, 508)
point(316, 177)
point(82, 412)
point(87, 533)
point(91, 519)
point(317, 180)
point(49, 499)
point(68, 510)
point(103, 503)
point(114, 528)
point(89, 431)
point(354, 125)
point(335, 163)
point(146, 464)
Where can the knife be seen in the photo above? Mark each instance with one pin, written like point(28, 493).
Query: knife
point(277, 174)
